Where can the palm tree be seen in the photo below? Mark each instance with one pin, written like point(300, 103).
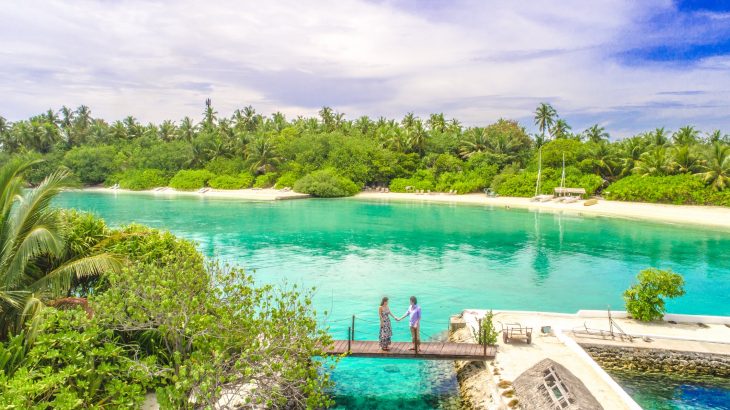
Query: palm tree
point(596, 134)
point(30, 230)
point(717, 169)
point(476, 140)
point(685, 160)
point(262, 155)
point(658, 137)
point(364, 124)
point(630, 152)
point(436, 122)
point(416, 136)
point(545, 116)
point(167, 131)
point(187, 130)
point(409, 120)
point(561, 129)
point(686, 136)
point(328, 118)
point(654, 163)
point(209, 115)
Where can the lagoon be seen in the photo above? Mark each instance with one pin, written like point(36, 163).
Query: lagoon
point(451, 257)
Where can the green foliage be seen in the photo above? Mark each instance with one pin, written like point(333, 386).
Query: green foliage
point(167, 156)
point(421, 180)
point(674, 189)
point(552, 153)
point(645, 300)
point(523, 183)
point(139, 179)
point(73, 363)
point(191, 179)
point(486, 333)
point(228, 182)
point(226, 166)
point(92, 164)
point(326, 184)
point(209, 327)
point(287, 179)
point(266, 180)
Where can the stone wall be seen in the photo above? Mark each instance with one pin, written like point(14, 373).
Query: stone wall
point(659, 361)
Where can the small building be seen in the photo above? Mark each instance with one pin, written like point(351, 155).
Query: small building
point(569, 191)
point(549, 385)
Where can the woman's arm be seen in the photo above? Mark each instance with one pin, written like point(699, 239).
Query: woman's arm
point(380, 315)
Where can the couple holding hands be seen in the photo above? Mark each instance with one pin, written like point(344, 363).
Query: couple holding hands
point(414, 321)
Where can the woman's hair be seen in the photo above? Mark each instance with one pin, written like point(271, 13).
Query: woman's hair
point(385, 299)
point(413, 299)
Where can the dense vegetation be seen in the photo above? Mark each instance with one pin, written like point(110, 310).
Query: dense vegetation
point(645, 299)
point(329, 155)
point(93, 317)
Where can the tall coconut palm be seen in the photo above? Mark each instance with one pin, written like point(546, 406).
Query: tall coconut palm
point(476, 140)
point(30, 229)
point(409, 120)
point(560, 129)
point(545, 116)
point(209, 115)
point(655, 162)
point(262, 155)
point(658, 137)
point(416, 137)
point(686, 136)
point(596, 134)
point(685, 160)
point(436, 122)
point(328, 118)
point(716, 171)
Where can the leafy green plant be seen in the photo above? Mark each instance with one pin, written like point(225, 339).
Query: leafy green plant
point(266, 180)
point(92, 164)
point(191, 179)
point(139, 179)
point(227, 182)
point(645, 299)
point(326, 184)
point(287, 179)
point(673, 189)
point(486, 333)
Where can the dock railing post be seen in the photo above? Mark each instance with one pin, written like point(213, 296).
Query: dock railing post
point(349, 340)
point(353, 327)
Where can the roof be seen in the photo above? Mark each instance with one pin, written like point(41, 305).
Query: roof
point(549, 385)
point(559, 190)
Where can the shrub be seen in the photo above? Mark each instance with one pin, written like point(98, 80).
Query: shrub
point(674, 189)
point(523, 183)
point(226, 166)
point(191, 179)
point(326, 183)
point(287, 179)
point(139, 179)
point(266, 180)
point(422, 179)
point(92, 164)
point(645, 300)
point(486, 333)
point(74, 363)
point(227, 182)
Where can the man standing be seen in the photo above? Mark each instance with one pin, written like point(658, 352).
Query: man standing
point(414, 321)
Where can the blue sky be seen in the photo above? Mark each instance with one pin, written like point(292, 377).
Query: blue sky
point(627, 65)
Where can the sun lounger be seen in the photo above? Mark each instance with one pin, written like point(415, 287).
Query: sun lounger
point(570, 199)
point(511, 331)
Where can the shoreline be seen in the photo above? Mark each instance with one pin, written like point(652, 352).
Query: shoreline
point(697, 215)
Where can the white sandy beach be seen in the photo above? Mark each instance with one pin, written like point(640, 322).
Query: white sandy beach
point(710, 216)
point(715, 216)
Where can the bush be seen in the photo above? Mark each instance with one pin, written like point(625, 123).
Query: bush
point(227, 182)
point(674, 189)
point(74, 363)
point(92, 164)
point(422, 179)
point(645, 300)
point(139, 179)
point(287, 179)
point(188, 180)
point(226, 166)
point(522, 184)
point(326, 183)
point(266, 180)
point(486, 334)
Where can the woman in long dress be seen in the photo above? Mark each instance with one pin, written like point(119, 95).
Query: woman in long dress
point(386, 332)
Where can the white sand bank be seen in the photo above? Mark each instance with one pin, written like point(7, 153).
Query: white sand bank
point(244, 194)
point(714, 216)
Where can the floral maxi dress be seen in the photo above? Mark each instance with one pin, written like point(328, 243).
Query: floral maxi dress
point(385, 330)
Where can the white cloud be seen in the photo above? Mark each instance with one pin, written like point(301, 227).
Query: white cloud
point(476, 61)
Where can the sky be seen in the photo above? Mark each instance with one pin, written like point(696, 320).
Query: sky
point(629, 66)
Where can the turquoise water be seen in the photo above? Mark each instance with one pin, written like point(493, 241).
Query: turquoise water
point(658, 392)
point(450, 257)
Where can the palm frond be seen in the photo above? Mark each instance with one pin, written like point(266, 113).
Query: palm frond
point(60, 278)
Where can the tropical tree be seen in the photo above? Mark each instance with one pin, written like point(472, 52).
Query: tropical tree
point(655, 162)
point(31, 233)
point(561, 129)
point(209, 115)
point(436, 122)
point(716, 171)
point(685, 160)
point(686, 136)
point(475, 140)
point(262, 155)
point(545, 116)
point(596, 134)
point(658, 137)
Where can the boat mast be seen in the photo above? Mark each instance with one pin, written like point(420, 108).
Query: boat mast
point(539, 170)
point(562, 177)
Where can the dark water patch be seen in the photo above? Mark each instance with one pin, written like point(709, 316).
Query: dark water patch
point(670, 392)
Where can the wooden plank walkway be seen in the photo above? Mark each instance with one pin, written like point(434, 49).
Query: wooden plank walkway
point(427, 350)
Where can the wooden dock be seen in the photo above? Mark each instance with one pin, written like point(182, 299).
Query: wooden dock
point(400, 350)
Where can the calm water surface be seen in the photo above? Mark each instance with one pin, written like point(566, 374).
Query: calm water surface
point(451, 257)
